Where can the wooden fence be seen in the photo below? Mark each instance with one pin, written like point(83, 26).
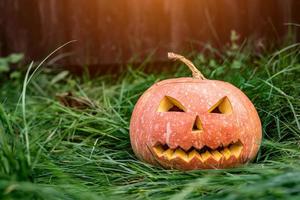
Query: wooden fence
point(115, 31)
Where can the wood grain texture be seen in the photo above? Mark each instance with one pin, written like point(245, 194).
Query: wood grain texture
point(112, 32)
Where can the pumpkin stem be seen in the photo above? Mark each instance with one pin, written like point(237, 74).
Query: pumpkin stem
point(196, 73)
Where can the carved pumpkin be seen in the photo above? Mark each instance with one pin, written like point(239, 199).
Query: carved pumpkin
point(195, 123)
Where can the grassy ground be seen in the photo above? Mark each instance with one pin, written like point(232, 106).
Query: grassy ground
point(50, 151)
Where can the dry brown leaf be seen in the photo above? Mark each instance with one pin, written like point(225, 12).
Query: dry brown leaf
point(69, 100)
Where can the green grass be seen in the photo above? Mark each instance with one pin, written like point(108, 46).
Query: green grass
point(86, 154)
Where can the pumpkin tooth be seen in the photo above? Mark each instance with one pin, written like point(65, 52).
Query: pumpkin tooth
point(158, 150)
point(236, 149)
point(226, 153)
point(205, 155)
point(181, 154)
point(194, 154)
point(216, 155)
point(169, 154)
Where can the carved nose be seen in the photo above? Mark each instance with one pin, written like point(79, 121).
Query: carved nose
point(197, 126)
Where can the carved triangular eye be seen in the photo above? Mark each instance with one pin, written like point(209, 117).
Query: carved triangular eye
point(169, 104)
point(221, 107)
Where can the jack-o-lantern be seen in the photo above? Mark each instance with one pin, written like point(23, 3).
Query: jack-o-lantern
point(195, 123)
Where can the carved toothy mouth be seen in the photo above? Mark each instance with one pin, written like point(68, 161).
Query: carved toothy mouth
point(203, 154)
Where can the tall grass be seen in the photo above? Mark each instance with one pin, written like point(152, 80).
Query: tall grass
point(86, 154)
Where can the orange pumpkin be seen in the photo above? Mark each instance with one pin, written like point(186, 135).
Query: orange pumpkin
point(195, 123)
